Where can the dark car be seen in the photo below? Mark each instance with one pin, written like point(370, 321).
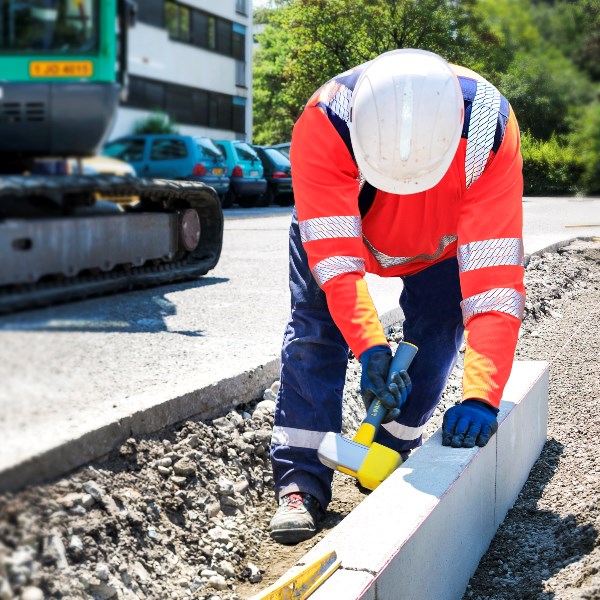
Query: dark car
point(173, 157)
point(278, 175)
point(283, 148)
point(248, 185)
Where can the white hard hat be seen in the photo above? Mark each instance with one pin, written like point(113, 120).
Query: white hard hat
point(406, 118)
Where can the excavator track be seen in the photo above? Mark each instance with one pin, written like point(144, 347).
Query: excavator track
point(59, 242)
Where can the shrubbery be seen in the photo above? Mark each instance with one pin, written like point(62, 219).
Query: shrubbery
point(155, 123)
point(549, 167)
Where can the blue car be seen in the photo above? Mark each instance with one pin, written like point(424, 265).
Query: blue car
point(248, 185)
point(173, 157)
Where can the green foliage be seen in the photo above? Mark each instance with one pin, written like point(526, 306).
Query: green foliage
point(507, 27)
point(585, 139)
point(156, 123)
point(542, 55)
point(549, 167)
point(543, 89)
point(307, 42)
point(574, 27)
point(274, 114)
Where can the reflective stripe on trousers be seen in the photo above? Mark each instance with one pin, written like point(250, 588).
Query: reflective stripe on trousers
point(314, 357)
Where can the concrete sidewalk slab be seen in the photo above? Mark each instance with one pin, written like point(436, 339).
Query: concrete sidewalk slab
point(146, 413)
point(444, 504)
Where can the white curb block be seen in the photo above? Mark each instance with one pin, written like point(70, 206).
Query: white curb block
point(422, 533)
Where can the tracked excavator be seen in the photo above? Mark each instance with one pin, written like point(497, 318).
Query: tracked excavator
point(66, 235)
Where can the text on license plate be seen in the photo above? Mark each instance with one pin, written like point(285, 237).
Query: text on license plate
point(61, 68)
point(253, 173)
point(217, 171)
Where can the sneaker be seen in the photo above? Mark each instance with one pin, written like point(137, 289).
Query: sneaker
point(296, 518)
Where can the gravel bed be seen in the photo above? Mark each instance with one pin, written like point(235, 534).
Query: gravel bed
point(184, 513)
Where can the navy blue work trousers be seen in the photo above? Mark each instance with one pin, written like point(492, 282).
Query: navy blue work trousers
point(314, 358)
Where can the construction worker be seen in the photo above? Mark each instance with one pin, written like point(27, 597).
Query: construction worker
point(408, 167)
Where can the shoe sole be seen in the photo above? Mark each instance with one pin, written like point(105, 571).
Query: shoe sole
point(292, 536)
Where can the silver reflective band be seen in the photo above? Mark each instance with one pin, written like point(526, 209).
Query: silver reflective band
point(393, 261)
point(361, 178)
point(504, 300)
point(299, 438)
point(328, 268)
point(330, 227)
point(403, 432)
point(482, 129)
point(337, 97)
point(490, 253)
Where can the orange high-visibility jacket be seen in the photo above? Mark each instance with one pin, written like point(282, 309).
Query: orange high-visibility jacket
point(475, 213)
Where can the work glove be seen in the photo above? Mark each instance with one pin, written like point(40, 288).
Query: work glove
point(375, 364)
point(472, 422)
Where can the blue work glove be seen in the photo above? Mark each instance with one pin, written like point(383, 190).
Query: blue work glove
point(375, 364)
point(472, 422)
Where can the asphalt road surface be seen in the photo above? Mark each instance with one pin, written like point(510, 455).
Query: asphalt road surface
point(81, 366)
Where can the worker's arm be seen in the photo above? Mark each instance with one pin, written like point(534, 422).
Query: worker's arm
point(326, 192)
point(490, 253)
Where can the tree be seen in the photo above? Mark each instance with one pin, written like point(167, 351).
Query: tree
point(573, 27)
point(545, 88)
point(585, 139)
point(541, 54)
point(273, 118)
point(307, 42)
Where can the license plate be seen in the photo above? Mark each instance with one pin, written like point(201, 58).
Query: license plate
point(217, 171)
point(61, 68)
point(253, 173)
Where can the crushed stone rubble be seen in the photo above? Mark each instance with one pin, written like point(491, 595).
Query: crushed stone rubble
point(182, 513)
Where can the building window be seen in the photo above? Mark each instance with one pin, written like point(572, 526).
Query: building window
point(151, 12)
point(177, 19)
point(224, 37)
point(241, 7)
point(212, 33)
point(145, 93)
point(240, 73)
point(189, 105)
point(192, 26)
point(200, 29)
point(212, 110)
point(238, 42)
point(200, 107)
point(239, 115)
point(179, 103)
point(224, 112)
point(239, 53)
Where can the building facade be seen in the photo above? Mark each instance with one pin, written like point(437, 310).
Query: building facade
point(191, 59)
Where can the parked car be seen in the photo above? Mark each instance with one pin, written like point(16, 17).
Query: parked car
point(102, 165)
point(278, 174)
point(248, 185)
point(96, 165)
point(283, 148)
point(173, 157)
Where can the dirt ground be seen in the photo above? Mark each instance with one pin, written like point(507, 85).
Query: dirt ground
point(184, 513)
